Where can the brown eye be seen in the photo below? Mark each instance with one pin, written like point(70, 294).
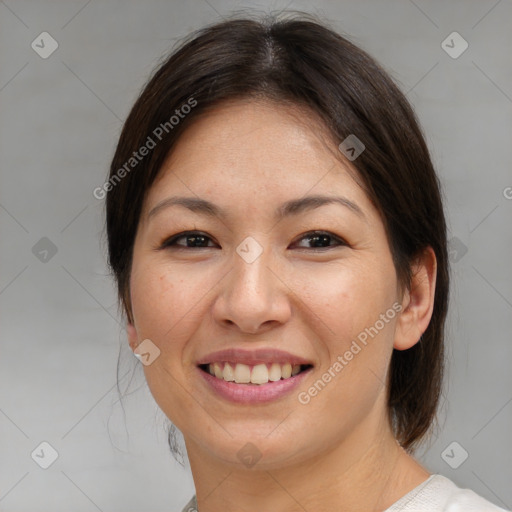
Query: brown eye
point(193, 239)
point(322, 240)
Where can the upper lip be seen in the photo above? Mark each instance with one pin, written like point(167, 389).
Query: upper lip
point(251, 357)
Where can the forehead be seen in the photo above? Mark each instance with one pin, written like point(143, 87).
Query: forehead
point(255, 148)
point(254, 131)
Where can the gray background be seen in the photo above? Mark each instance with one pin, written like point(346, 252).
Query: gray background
point(61, 334)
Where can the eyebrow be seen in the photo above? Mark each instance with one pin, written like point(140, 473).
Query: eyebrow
point(287, 209)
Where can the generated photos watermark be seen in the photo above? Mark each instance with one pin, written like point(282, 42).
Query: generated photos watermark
point(137, 156)
point(305, 397)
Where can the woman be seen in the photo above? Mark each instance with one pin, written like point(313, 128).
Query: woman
point(277, 235)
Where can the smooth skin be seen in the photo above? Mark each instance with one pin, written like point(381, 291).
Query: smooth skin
point(311, 299)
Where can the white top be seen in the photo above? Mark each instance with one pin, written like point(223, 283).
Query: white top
point(436, 494)
point(440, 494)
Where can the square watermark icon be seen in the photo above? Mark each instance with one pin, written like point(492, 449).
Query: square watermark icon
point(454, 45)
point(249, 455)
point(44, 250)
point(249, 249)
point(454, 455)
point(146, 352)
point(351, 147)
point(44, 45)
point(44, 455)
point(456, 249)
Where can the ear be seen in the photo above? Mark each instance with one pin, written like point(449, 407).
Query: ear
point(132, 335)
point(418, 302)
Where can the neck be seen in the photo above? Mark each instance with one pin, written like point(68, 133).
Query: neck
point(363, 472)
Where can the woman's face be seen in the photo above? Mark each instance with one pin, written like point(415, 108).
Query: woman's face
point(255, 279)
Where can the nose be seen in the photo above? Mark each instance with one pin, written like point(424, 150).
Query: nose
point(253, 297)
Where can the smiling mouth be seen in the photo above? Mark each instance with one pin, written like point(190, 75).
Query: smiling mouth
point(257, 374)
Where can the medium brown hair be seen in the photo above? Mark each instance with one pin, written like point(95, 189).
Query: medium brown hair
point(300, 61)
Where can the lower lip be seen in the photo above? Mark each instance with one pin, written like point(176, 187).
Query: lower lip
point(253, 393)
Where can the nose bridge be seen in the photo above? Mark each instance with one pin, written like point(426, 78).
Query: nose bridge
point(252, 296)
point(250, 279)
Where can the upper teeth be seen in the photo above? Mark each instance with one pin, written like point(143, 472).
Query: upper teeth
point(257, 374)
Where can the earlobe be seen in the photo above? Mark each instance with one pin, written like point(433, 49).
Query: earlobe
point(132, 335)
point(418, 302)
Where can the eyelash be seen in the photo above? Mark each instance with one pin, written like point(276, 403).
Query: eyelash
point(170, 243)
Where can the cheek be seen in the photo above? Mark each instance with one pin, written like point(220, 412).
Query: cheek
point(347, 297)
point(162, 302)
